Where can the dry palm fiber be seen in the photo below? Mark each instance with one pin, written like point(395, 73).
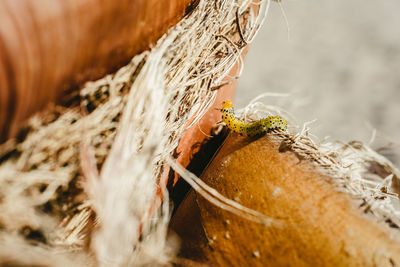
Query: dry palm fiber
point(125, 128)
point(50, 47)
point(319, 224)
point(369, 177)
point(122, 134)
point(327, 210)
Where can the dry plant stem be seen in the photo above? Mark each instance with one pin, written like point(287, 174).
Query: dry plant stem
point(321, 225)
point(48, 47)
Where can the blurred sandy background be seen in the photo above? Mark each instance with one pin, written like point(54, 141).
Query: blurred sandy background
point(341, 65)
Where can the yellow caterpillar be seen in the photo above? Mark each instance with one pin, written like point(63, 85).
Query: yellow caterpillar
point(259, 127)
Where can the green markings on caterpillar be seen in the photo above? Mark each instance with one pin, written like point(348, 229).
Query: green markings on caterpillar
point(259, 127)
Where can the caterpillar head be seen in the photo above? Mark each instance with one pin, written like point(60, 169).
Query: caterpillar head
point(227, 104)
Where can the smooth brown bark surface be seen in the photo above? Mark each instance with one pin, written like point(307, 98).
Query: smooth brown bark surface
point(48, 47)
point(320, 225)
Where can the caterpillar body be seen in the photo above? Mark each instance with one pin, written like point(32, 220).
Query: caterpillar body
point(259, 127)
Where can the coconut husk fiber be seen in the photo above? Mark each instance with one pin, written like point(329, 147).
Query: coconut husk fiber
point(80, 184)
point(49, 47)
point(84, 184)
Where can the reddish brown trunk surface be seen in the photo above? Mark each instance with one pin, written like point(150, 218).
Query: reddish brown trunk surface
point(50, 46)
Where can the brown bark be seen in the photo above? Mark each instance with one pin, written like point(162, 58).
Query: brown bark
point(50, 46)
point(320, 225)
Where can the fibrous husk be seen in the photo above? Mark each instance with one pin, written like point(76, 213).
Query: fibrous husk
point(79, 184)
point(83, 179)
point(316, 220)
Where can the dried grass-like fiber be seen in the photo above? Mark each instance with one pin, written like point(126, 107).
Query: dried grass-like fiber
point(370, 178)
point(126, 127)
point(46, 217)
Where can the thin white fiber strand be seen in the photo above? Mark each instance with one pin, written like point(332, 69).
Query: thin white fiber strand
point(219, 200)
point(255, 110)
point(355, 167)
point(263, 7)
point(170, 89)
point(122, 208)
point(285, 18)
